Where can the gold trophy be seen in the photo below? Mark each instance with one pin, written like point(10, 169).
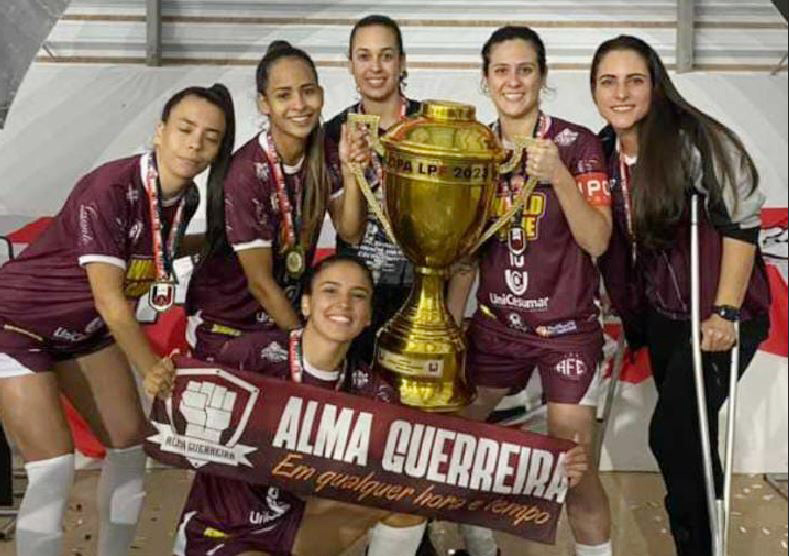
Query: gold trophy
point(439, 174)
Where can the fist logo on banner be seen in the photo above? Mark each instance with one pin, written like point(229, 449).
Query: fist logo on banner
point(207, 409)
point(207, 417)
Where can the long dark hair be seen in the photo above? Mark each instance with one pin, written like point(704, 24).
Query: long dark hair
point(377, 20)
point(512, 32)
point(662, 174)
point(218, 95)
point(317, 183)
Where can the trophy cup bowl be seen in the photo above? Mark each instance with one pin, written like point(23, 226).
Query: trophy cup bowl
point(440, 170)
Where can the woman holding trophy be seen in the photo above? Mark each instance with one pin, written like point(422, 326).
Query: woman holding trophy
point(377, 63)
point(537, 279)
point(262, 232)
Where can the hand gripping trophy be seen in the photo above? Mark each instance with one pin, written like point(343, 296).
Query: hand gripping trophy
point(440, 169)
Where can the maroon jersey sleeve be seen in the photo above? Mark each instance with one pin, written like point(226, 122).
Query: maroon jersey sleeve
point(101, 215)
point(587, 165)
point(249, 218)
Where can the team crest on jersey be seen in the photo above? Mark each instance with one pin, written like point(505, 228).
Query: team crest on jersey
point(274, 353)
point(566, 137)
point(207, 415)
point(517, 281)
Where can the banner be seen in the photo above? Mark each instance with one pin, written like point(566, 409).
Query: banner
point(334, 445)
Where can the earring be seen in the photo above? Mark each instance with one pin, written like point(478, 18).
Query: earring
point(484, 89)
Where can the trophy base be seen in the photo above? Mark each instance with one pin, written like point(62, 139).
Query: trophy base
point(422, 351)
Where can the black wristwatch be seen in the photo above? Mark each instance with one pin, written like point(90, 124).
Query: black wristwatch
point(727, 312)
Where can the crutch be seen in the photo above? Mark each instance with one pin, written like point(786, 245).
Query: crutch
point(719, 508)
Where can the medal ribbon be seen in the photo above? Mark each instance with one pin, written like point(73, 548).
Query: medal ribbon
point(296, 359)
point(628, 201)
point(163, 249)
point(290, 225)
point(540, 129)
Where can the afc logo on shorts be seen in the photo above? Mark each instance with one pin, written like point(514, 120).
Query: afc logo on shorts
point(572, 366)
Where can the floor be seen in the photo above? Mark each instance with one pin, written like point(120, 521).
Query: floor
point(640, 528)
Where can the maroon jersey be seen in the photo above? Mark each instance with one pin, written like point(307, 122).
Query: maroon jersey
point(534, 277)
point(224, 517)
point(253, 219)
point(106, 218)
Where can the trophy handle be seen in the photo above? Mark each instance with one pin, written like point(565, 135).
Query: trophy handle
point(526, 191)
point(520, 142)
point(375, 142)
point(371, 122)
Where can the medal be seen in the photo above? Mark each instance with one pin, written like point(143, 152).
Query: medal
point(294, 255)
point(295, 261)
point(516, 236)
point(627, 200)
point(161, 296)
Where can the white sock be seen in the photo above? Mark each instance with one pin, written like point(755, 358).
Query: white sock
point(598, 550)
point(386, 540)
point(119, 499)
point(39, 525)
point(479, 540)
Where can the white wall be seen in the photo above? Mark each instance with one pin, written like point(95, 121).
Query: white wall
point(67, 119)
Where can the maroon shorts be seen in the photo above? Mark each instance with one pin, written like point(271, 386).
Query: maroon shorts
point(251, 351)
point(21, 353)
point(225, 517)
point(501, 358)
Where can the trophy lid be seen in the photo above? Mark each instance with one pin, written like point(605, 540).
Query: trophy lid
point(445, 128)
point(448, 110)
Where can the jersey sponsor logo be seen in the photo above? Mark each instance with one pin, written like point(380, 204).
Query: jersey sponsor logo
point(571, 366)
point(262, 317)
point(566, 137)
point(514, 320)
point(213, 533)
point(140, 274)
point(360, 379)
point(207, 418)
point(594, 187)
point(510, 300)
point(517, 281)
point(274, 353)
point(135, 230)
point(87, 214)
point(276, 509)
point(557, 329)
point(73, 336)
point(132, 194)
point(262, 171)
point(533, 212)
